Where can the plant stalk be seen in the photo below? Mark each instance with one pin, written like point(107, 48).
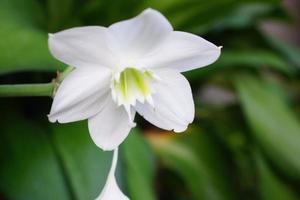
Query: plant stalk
point(32, 89)
point(18, 90)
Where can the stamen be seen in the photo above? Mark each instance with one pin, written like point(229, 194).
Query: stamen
point(132, 85)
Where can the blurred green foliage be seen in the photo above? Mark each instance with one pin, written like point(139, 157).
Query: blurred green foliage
point(243, 144)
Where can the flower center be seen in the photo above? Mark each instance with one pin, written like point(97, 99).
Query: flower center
point(131, 85)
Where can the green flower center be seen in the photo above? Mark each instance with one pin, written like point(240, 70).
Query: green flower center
point(131, 85)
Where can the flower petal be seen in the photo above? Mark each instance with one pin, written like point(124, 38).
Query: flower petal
point(110, 127)
point(81, 95)
point(141, 34)
point(173, 102)
point(111, 190)
point(82, 47)
point(182, 51)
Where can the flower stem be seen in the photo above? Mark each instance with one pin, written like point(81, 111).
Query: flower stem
point(17, 90)
point(37, 90)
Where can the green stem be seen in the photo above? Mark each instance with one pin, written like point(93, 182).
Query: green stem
point(39, 89)
point(17, 90)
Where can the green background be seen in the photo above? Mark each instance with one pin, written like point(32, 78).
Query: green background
point(243, 144)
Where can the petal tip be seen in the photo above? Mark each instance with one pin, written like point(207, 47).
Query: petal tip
point(51, 118)
point(149, 10)
point(181, 129)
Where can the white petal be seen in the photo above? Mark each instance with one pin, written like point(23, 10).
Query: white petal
point(82, 47)
point(141, 34)
point(110, 127)
point(173, 103)
point(111, 190)
point(81, 95)
point(182, 51)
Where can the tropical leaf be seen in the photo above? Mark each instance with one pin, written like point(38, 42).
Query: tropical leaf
point(85, 165)
point(270, 186)
point(138, 163)
point(292, 53)
point(29, 169)
point(195, 158)
point(275, 127)
point(244, 59)
point(25, 45)
point(60, 14)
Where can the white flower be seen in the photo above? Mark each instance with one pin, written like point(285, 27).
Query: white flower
point(131, 66)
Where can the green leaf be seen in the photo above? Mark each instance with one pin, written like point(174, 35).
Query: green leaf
point(199, 16)
point(195, 158)
point(138, 161)
point(85, 165)
point(270, 186)
point(291, 52)
point(254, 59)
point(184, 15)
point(60, 12)
point(24, 45)
point(29, 169)
point(245, 15)
point(275, 127)
point(27, 12)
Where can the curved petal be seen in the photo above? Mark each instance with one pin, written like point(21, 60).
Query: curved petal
point(173, 103)
point(81, 95)
point(141, 34)
point(82, 47)
point(110, 127)
point(182, 51)
point(111, 190)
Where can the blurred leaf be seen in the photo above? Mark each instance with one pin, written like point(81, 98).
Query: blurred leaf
point(139, 167)
point(30, 52)
point(27, 12)
point(229, 129)
point(29, 169)
point(245, 15)
point(270, 186)
point(234, 58)
point(105, 13)
point(275, 127)
point(254, 58)
point(184, 15)
point(198, 161)
point(60, 11)
point(199, 16)
point(24, 46)
point(291, 52)
point(85, 165)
